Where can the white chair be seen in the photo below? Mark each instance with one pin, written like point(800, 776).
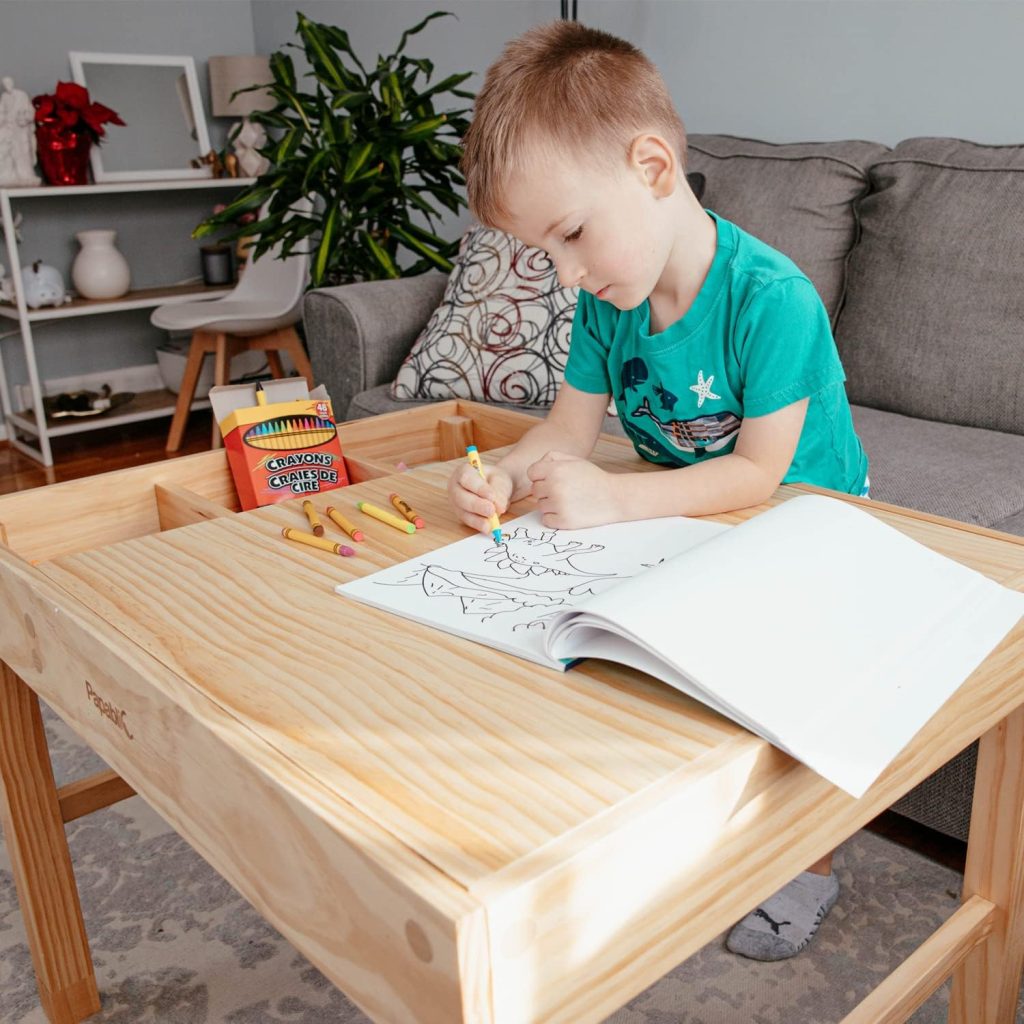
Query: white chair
point(258, 313)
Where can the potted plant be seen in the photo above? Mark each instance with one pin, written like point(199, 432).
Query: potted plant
point(68, 124)
point(369, 147)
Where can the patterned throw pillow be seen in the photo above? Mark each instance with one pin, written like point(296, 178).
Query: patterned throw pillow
point(501, 332)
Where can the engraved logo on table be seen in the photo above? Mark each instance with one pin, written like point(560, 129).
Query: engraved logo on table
point(108, 710)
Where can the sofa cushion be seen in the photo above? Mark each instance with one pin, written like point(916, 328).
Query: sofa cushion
point(964, 473)
point(933, 323)
point(501, 332)
point(797, 197)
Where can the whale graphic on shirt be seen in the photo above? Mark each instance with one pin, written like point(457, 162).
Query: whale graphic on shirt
point(696, 436)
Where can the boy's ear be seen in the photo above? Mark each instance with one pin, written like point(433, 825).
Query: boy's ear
point(655, 160)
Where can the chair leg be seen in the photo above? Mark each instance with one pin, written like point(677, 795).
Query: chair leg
point(290, 342)
point(202, 342)
point(223, 353)
point(274, 362)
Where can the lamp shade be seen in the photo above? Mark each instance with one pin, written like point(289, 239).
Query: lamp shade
point(229, 74)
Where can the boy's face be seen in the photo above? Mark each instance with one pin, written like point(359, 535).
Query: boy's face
point(602, 227)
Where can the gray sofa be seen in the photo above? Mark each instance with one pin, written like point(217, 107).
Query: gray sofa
point(917, 252)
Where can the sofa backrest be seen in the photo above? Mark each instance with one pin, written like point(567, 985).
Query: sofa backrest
point(933, 321)
point(797, 197)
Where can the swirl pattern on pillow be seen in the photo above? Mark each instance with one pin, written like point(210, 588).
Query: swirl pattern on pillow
point(501, 332)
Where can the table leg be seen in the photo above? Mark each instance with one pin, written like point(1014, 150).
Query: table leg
point(40, 859)
point(986, 985)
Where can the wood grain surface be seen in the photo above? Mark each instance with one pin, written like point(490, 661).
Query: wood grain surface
point(450, 833)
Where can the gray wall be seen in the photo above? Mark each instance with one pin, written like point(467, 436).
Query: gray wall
point(774, 69)
point(781, 70)
point(153, 228)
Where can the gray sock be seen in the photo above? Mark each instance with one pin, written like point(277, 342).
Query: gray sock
point(785, 923)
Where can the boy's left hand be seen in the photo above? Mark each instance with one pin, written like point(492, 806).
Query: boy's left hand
point(573, 493)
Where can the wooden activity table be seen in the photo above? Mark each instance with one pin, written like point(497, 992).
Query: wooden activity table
point(450, 834)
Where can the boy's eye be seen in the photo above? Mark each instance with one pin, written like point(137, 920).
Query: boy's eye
point(574, 235)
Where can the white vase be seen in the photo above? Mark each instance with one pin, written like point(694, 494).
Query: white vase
point(99, 270)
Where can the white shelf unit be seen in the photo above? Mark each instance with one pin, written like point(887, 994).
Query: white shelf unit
point(147, 405)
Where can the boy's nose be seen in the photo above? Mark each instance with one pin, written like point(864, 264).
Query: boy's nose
point(570, 274)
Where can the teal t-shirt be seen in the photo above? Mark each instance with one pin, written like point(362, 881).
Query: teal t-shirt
point(756, 339)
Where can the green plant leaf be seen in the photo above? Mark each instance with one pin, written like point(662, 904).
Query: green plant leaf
point(323, 251)
point(424, 250)
point(357, 156)
point(419, 28)
point(319, 51)
point(381, 255)
point(423, 129)
point(349, 100)
point(447, 84)
point(283, 69)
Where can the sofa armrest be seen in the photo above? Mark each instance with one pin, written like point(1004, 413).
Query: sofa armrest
point(358, 334)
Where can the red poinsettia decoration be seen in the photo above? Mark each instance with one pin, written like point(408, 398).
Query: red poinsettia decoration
point(69, 109)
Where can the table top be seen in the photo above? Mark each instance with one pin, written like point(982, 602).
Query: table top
point(486, 776)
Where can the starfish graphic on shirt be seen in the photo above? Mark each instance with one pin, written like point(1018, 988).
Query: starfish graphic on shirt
point(702, 388)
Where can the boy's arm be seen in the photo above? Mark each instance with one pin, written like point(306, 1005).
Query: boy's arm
point(574, 494)
point(571, 427)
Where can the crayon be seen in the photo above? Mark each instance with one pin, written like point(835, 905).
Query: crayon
point(474, 460)
point(350, 528)
point(385, 517)
point(317, 542)
point(314, 519)
point(409, 513)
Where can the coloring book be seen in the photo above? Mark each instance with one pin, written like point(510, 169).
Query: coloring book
point(814, 624)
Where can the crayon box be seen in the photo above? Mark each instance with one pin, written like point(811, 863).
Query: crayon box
point(281, 440)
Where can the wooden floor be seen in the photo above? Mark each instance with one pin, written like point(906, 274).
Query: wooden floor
point(133, 444)
point(100, 451)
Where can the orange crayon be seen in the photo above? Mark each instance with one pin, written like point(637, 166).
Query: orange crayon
point(314, 520)
point(410, 513)
point(350, 528)
point(317, 542)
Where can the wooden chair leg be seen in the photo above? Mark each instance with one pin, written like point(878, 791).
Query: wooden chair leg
point(274, 362)
point(226, 346)
point(290, 342)
point(40, 860)
point(202, 343)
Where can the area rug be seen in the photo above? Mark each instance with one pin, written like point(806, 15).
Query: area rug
point(175, 944)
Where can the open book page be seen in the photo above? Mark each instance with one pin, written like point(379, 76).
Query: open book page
point(505, 595)
point(821, 628)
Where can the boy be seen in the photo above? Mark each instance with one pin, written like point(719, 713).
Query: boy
point(715, 347)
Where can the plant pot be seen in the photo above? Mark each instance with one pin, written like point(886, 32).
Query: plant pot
point(99, 270)
point(63, 155)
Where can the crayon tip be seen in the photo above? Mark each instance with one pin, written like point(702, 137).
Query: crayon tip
point(358, 535)
point(345, 550)
point(496, 534)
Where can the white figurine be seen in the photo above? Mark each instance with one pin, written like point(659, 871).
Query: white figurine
point(248, 140)
point(6, 286)
point(43, 285)
point(17, 137)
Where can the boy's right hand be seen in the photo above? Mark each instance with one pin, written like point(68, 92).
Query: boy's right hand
point(475, 499)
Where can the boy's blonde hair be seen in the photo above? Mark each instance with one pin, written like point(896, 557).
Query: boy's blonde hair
point(567, 88)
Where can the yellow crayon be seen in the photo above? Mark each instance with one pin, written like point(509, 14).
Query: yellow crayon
point(385, 517)
point(314, 519)
point(407, 511)
point(350, 528)
point(317, 542)
point(474, 460)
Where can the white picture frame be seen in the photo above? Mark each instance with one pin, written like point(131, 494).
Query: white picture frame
point(113, 159)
